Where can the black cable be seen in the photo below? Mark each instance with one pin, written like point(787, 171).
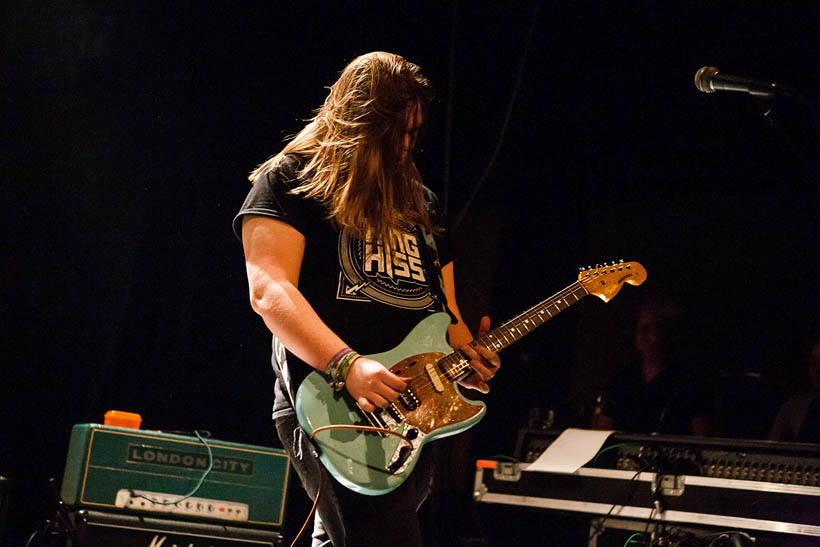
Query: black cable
point(634, 484)
point(733, 535)
point(506, 123)
point(649, 521)
point(62, 516)
point(509, 459)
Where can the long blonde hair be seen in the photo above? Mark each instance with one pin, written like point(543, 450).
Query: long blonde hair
point(352, 148)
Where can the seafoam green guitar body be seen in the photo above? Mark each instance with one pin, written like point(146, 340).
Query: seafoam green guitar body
point(432, 408)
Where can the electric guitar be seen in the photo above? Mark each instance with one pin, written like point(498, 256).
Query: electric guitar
point(377, 461)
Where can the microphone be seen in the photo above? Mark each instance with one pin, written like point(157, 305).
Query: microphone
point(709, 79)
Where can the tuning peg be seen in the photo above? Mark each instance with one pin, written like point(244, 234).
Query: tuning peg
point(621, 261)
point(581, 269)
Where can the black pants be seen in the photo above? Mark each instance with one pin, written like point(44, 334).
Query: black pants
point(348, 519)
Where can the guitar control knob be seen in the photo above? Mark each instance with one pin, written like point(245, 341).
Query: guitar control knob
point(412, 433)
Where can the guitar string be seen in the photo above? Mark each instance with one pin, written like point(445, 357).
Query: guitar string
point(533, 314)
point(513, 326)
point(423, 386)
point(515, 333)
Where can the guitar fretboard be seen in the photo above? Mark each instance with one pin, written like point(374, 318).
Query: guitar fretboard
point(455, 364)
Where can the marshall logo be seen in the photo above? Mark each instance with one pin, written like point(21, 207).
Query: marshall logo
point(188, 460)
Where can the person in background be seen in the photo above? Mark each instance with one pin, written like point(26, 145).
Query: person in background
point(654, 393)
point(799, 417)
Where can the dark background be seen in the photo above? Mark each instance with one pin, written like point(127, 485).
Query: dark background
point(130, 131)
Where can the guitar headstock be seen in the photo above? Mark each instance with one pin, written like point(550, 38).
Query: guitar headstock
point(604, 281)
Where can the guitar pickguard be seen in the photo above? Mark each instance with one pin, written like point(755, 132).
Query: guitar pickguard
point(437, 402)
point(402, 455)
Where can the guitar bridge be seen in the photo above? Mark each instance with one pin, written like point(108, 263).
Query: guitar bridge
point(384, 418)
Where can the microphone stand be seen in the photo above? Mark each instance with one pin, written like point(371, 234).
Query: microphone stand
point(786, 137)
point(768, 95)
point(808, 158)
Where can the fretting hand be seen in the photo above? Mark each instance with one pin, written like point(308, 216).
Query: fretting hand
point(484, 362)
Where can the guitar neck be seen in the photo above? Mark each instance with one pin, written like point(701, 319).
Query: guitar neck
point(454, 365)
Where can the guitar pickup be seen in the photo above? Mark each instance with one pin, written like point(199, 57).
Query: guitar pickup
point(435, 379)
point(409, 399)
point(394, 412)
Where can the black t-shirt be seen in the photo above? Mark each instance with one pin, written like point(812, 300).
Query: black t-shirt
point(372, 303)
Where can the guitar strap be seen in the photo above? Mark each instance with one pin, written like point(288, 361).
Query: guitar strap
point(432, 266)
